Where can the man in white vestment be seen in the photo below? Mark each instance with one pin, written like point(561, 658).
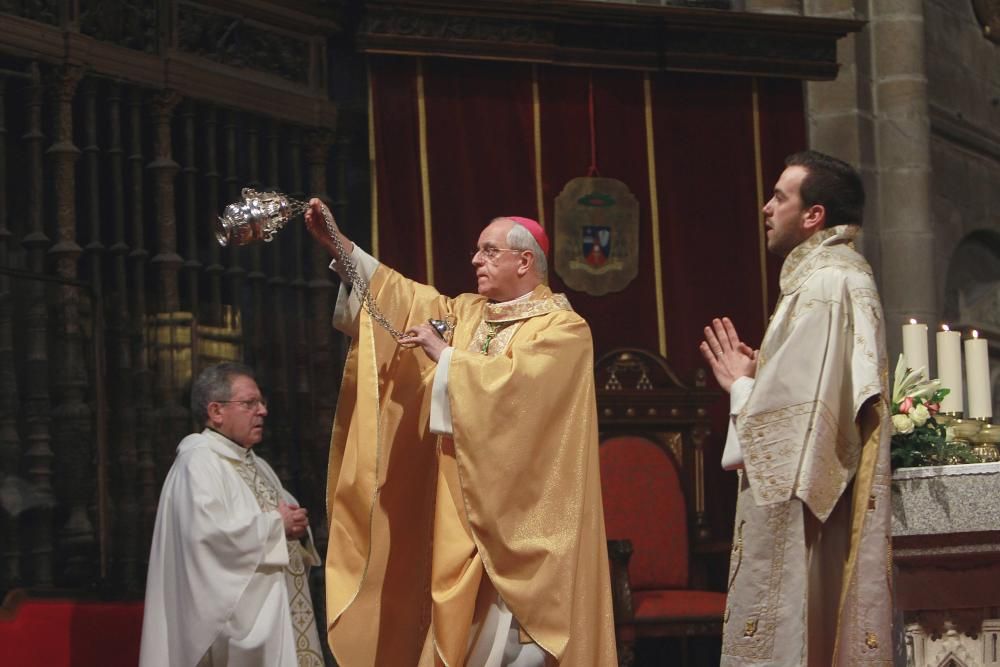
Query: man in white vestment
point(810, 571)
point(229, 564)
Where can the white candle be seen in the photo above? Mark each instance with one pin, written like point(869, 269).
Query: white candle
point(949, 368)
point(915, 346)
point(977, 375)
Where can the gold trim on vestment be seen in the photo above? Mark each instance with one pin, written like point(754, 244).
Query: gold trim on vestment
point(868, 482)
point(500, 320)
point(491, 339)
point(759, 175)
point(372, 170)
point(536, 122)
point(654, 215)
point(425, 178)
point(758, 644)
point(300, 606)
point(511, 311)
point(802, 261)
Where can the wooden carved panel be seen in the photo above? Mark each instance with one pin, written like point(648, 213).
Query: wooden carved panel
point(616, 35)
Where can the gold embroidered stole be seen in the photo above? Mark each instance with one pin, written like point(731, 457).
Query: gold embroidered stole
point(501, 320)
point(307, 650)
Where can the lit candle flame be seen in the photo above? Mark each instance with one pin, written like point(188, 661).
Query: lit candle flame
point(912, 321)
point(975, 334)
point(944, 327)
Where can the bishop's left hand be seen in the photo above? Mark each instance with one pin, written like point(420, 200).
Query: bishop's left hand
point(426, 337)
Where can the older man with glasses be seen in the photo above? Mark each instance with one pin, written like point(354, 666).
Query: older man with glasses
point(464, 494)
point(229, 564)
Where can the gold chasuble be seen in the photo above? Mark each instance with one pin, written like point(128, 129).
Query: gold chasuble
point(426, 530)
point(811, 572)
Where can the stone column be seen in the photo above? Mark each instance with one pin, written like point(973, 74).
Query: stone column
point(172, 416)
point(874, 115)
point(37, 402)
point(193, 223)
point(276, 326)
point(164, 169)
point(95, 257)
point(304, 420)
point(146, 429)
point(235, 273)
point(10, 441)
point(841, 114)
point(214, 271)
point(72, 432)
point(321, 296)
point(123, 401)
point(256, 354)
point(902, 139)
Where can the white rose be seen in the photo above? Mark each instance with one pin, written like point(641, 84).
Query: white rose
point(902, 424)
point(919, 415)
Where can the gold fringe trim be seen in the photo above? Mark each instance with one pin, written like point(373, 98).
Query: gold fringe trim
point(536, 119)
point(654, 215)
point(372, 166)
point(759, 174)
point(425, 179)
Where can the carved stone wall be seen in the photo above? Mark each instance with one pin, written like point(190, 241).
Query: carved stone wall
point(964, 98)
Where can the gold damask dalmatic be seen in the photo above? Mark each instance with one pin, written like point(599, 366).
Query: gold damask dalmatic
point(597, 235)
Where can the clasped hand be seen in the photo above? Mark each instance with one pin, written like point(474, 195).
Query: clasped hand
point(295, 518)
point(426, 337)
point(729, 357)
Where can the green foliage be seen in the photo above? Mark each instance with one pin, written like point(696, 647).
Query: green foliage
point(917, 437)
point(928, 445)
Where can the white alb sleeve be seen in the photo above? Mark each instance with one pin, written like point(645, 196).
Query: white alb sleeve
point(348, 309)
point(739, 392)
point(440, 406)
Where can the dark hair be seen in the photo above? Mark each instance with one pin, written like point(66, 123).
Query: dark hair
point(831, 183)
point(215, 383)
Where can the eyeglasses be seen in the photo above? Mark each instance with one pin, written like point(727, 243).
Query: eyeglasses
point(250, 404)
point(491, 254)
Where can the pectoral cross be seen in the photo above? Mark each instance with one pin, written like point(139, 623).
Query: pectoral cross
point(492, 331)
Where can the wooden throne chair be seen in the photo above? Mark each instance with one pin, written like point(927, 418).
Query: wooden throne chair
point(652, 430)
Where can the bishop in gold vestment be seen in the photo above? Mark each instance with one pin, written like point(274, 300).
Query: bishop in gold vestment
point(434, 537)
point(810, 579)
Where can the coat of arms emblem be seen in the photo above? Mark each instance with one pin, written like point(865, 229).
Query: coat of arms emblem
point(596, 235)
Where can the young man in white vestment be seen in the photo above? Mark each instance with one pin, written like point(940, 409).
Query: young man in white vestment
point(810, 571)
point(228, 568)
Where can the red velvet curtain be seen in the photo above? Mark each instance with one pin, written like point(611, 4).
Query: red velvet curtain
point(480, 163)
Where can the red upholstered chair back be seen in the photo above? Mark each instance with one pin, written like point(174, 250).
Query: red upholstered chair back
point(644, 503)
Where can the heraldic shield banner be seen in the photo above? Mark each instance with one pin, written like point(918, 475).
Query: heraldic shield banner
point(596, 235)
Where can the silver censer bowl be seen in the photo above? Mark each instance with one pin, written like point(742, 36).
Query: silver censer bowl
point(258, 217)
point(261, 215)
